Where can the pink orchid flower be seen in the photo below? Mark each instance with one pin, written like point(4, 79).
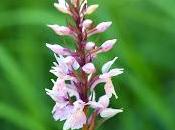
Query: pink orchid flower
point(76, 75)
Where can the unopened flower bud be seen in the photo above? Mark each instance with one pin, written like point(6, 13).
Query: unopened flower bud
point(58, 49)
point(91, 9)
point(89, 46)
point(103, 26)
point(106, 46)
point(89, 68)
point(100, 28)
point(87, 23)
point(62, 8)
point(61, 30)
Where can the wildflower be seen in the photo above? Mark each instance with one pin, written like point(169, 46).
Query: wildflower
point(74, 88)
point(102, 107)
point(77, 118)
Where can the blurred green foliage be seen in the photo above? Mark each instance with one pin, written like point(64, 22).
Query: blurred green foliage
point(146, 50)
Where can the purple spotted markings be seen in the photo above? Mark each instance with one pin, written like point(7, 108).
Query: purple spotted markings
point(76, 76)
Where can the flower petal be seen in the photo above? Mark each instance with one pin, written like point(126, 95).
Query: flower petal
point(99, 28)
point(106, 46)
point(58, 49)
point(109, 112)
point(115, 72)
point(62, 7)
point(98, 81)
point(109, 89)
point(61, 30)
point(75, 121)
point(95, 105)
point(62, 113)
point(104, 101)
point(108, 65)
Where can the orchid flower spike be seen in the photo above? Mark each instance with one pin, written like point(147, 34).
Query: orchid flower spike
point(76, 76)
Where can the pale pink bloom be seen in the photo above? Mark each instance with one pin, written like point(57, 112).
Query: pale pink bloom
point(61, 30)
point(102, 103)
point(75, 121)
point(76, 77)
point(102, 107)
point(106, 76)
point(58, 49)
point(89, 46)
point(78, 118)
point(91, 9)
point(62, 113)
point(61, 69)
point(107, 73)
point(106, 46)
point(62, 6)
point(58, 92)
point(89, 68)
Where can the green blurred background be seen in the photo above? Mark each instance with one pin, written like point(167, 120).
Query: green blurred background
point(146, 50)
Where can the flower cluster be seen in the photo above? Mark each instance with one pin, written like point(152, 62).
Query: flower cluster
point(74, 88)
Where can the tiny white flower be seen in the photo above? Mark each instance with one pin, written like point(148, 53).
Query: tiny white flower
point(102, 107)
